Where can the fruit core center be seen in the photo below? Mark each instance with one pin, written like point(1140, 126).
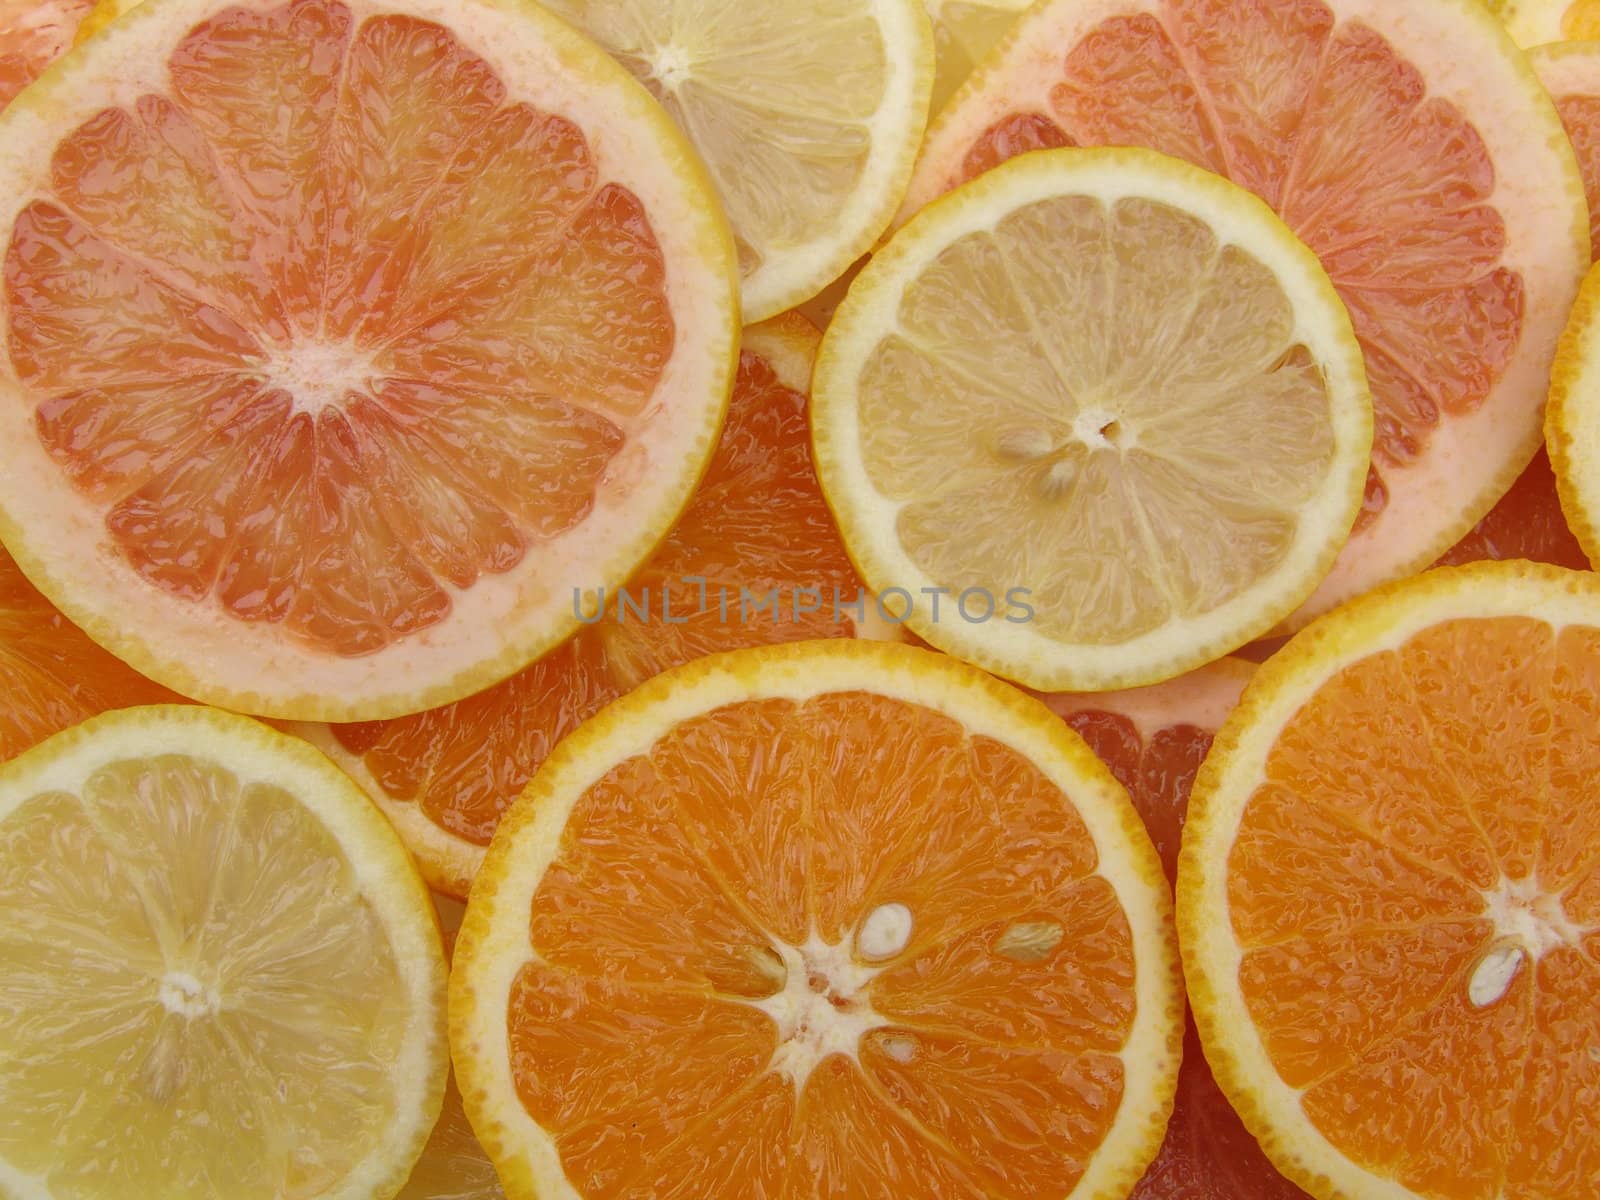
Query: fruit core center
point(670, 65)
point(318, 374)
point(1099, 429)
point(823, 1007)
point(184, 995)
point(1528, 923)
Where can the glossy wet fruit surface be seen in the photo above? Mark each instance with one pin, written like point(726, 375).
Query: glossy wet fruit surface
point(1399, 822)
point(33, 33)
point(265, 1018)
point(339, 337)
point(842, 932)
point(1110, 384)
point(53, 675)
point(1425, 190)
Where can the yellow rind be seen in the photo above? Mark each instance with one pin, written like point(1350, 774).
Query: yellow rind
point(1381, 619)
point(531, 828)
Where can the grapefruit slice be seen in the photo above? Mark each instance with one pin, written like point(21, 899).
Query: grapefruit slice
point(808, 116)
point(1116, 466)
point(1154, 740)
point(757, 524)
point(1570, 72)
point(1409, 145)
point(33, 34)
point(51, 675)
point(835, 918)
point(346, 340)
point(223, 976)
point(1389, 892)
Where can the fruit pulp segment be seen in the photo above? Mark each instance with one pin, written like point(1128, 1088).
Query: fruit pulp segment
point(55, 676)
point(1429, 807)
point(334, 327)
point(757, 521)
point(1580, 117)
point(1390, 186)
point(33, 34)
point(742, 80)
point(1526, 523)
point(702, 937)
point(1110, 369)
point(248, 966)
point(1207, 1154)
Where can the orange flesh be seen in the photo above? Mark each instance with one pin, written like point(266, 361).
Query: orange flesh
point(635, 1039)
point(1208, 1154)
point(318, 422)
point(758, 521)
point(1526, 523)
point(51, 674)
point(33, 34)
point(1412, 242)
point(1413, 783)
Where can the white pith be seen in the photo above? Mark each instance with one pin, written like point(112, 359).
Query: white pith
point(821, 1009)
point(319, 374)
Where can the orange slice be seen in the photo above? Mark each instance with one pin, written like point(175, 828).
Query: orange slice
point(33, 34)
point(757, 524)
point(51, 675)
point(1389, 892)
point(346, 340)
point(1409, 145)
point(837, 918)
point(1154, 740)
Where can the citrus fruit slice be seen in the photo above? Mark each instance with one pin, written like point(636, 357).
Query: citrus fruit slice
point(963, 32)
point(834, 918)
point(1389, 892)
point(757, 525)
point(1570, 72)
point(51, 675)
point(102, 14)
point(33, 34)
point(1536, 22)
point(346, 339)
point(1154, 740)
point(1526, 523)
point(808, 118)
point(223, 976)
point(1572, 419)
point(453, 1165)
point(1409, 145)
point(1158, 477)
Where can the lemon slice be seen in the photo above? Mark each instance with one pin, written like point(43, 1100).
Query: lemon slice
point(963, 32)
point(222, 974)
point(1104, 407)
point(808, 116)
